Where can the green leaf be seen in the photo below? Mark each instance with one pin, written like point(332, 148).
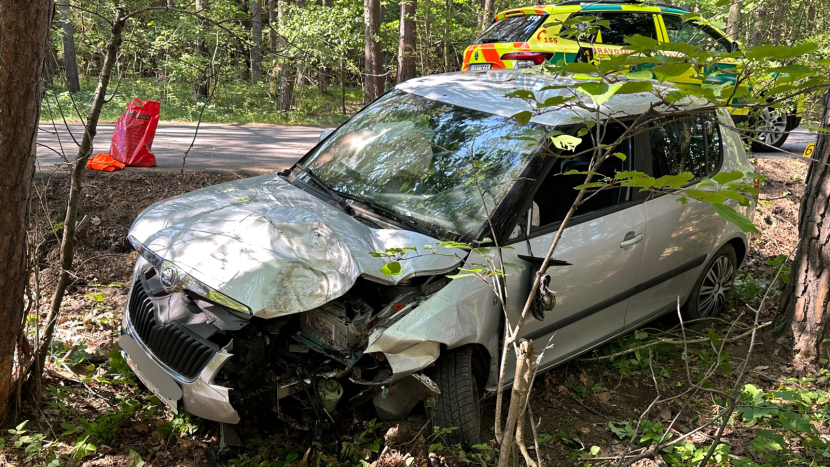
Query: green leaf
point(566, 142)
point(631, 87)
point(459, 276)
point(667, 72)
point(554, 101)
point(641, 41)
point(674, 181)
point(599, 92)
point(641, 74)
point(391, 269)
point(523, 117)
point(590, 185)
point(580, 67)
point(771, 52)
point(620, 156)
point(732, 216)
point(521, 94)
point(726, 177)
point(513, 265)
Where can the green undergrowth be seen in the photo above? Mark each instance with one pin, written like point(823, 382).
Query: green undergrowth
point(231, 103)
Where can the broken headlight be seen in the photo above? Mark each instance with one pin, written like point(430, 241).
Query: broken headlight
point(174, 279)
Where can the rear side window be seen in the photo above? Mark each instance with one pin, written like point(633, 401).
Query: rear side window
point(515, 29)
point(689, 143)
point(694, 34)
point(624, 24)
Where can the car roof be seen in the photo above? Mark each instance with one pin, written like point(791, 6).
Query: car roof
point(485, 91)
point(570, 6)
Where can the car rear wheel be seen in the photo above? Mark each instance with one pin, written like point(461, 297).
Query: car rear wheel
point(772, 125)
point(458, 406)
point(713, 286)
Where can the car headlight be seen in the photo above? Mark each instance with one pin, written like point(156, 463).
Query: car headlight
point(173, 279)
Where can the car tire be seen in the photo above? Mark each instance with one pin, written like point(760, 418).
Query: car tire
point(712, 288)
point(775, 120)
point(458, 405)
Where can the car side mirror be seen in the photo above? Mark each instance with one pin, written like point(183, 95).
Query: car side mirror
point(735, 47)
point(324, 135)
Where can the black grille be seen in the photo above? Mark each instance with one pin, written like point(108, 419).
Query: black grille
point(181, 352)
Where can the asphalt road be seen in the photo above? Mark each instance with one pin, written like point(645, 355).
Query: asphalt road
point(241, 148)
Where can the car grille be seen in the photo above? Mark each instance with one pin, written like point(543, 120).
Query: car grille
point(180, 352)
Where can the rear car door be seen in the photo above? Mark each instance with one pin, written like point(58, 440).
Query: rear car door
point(678, 237)
point(602, 247)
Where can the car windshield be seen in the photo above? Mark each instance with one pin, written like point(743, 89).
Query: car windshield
point(515, 29)
point(433, 162)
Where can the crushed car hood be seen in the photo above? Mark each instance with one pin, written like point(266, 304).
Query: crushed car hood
point(276, 248)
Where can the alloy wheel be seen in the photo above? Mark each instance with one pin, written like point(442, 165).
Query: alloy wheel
point(715, 287)
point(773, 124)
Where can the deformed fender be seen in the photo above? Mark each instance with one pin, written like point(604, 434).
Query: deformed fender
point(464, 312)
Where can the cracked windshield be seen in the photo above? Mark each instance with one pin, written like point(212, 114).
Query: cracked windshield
point(434, 162)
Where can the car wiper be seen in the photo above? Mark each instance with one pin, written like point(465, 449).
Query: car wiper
point(328, 191)
point(491, 40)
point(395, 215)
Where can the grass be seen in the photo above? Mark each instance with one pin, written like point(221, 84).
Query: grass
point(231, 103)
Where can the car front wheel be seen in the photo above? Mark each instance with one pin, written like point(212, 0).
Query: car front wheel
point(713, 286)
point(457, 407)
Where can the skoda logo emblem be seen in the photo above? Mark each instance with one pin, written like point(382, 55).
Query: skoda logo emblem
point(476, 55)
point(169, 277)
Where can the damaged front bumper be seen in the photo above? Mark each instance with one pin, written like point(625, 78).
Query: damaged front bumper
point(228, 365)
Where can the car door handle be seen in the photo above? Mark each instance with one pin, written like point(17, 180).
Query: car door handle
point(633, 241)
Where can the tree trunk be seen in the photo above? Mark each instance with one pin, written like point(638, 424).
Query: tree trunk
point(406, 45)
point(23, 43)
point(426, 46)
point(201, 86)
point(272, 19)
point(76, 184)
point(322, 74)
point(70, 60)
point(371, 16)
point(733, 22)
point(447, 18)
point(256, 38)
point(286, 95)
point(804, 304)
point(521, 387)
point(489, 13)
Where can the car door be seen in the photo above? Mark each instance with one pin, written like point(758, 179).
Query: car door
point(678, 236)
point(599, 255)
point(610, 40)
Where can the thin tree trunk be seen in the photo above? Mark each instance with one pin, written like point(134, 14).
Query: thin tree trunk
point(489, 13)
point(286, 94)
point(201, 86)
point(23, 43)
point(371, 17)
point(447, 17)
point(70, 60)
point(425, 48)
point(76, 183)
point(521, 385)
point(733, 22)
point(804, 304)
point(406, 45)
point(322, 74)
point(272, 19)
point(256, 38)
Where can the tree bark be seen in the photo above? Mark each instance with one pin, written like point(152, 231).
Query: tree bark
point(371, 17)
point(77, 168)
point(733, 22)
point(286, 95)
point(489, 13)
point(406, 45)
point(256, 38)
point(521, 388)
point(23, 43)
point(426, 45)
point(201, 86)
point(70, 60)
point(447, 18)
point(272, 19)
point(322, 74)
point(804, 304)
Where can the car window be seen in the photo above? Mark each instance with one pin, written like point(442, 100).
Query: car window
point(679, 144)
point(557, 192)
point(624, 24)
point(515, 29)
point(694, 34)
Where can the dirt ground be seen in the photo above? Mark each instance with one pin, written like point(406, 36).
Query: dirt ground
point(576, 405)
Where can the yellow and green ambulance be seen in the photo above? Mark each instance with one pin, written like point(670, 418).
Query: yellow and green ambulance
point(523, 37)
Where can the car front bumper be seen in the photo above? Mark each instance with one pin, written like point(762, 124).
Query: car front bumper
point(198, 396)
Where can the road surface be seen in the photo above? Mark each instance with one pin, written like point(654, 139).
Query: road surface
point(241, 148)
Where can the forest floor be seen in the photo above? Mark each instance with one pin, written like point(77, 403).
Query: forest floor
point(92, 413)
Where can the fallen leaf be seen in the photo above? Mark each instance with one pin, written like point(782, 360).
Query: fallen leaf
point(604, 396)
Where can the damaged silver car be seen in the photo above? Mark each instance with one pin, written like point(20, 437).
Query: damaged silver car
point(254, 293)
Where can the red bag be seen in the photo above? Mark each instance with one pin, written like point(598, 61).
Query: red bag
point(134, 133)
